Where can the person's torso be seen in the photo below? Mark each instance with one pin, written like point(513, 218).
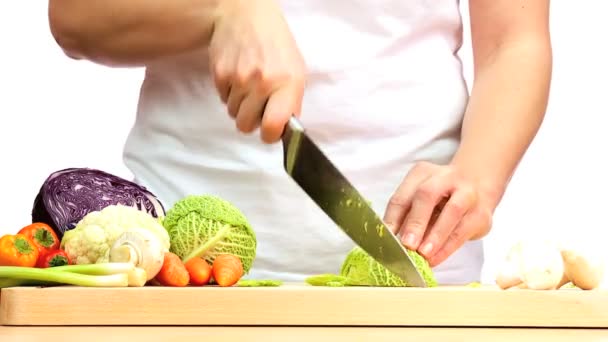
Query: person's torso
point(384, 90)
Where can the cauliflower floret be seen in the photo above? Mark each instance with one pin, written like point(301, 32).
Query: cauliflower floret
point(90, 241)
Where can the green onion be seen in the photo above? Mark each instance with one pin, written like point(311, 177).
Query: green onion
point(109, 274)
point(97, 269)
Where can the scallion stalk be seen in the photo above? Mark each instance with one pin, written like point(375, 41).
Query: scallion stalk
point(29, 275)
point(97, 269)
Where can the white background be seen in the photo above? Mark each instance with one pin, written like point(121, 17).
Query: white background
point(59, 113)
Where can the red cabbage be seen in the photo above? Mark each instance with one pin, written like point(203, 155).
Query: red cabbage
point(67, 195)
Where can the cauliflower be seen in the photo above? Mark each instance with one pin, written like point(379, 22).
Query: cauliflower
point(90, 241)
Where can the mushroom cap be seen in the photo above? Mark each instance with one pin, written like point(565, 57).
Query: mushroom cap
point(585, 269)
point(508, 275)
point(542, 266)
point(534, 264)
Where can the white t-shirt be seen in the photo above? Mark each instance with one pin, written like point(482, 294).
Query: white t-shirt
point(385, 89)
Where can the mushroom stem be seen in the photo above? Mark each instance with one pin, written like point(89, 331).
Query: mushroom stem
point(125, 253)
point(141, 248)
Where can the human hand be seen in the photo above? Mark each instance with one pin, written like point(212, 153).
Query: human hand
point(436, 209)
point(257, 67)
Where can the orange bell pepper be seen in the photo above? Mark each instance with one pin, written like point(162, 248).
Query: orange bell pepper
point(18, 250)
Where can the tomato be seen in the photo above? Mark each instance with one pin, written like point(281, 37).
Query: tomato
point(57, 257)
point(43, 236)
point(18, 250)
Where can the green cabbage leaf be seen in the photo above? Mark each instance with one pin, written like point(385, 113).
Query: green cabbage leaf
point(360, 269)
point(206, 226)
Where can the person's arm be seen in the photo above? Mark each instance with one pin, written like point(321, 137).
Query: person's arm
point(437, 208)
point(512, 75)
point(262, 86)
point(133, 32)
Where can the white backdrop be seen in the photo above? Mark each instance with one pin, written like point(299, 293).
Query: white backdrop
point(60, 113)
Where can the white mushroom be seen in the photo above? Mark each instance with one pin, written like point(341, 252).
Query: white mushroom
point(584, 261)
point(585, 269)
point(533, 264)
point(508, 275)
point(542, 267)
point(140, 247)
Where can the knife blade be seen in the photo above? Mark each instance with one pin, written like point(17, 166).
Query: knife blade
point(310, 168)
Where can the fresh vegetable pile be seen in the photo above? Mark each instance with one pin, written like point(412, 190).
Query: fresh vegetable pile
point(538, 264)
point(91, 228)
point(32, 256)
point(35, 245)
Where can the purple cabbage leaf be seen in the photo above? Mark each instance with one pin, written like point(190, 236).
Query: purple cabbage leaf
point(67, 195)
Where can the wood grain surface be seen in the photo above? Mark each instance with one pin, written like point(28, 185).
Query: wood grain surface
point(302, 305)
point(296, 334)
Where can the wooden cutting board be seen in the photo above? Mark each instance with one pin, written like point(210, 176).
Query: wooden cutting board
point(303, 305)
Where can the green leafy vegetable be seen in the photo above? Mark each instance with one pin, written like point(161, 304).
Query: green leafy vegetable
point(360, 269)
point(90, 275)
point(259, 283)
point(327, 280)
point(206, 226)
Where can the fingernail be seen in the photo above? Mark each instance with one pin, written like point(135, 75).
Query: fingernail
point(410, 240)
point(427, 248)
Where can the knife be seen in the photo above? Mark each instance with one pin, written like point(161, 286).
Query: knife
point(308, 166)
